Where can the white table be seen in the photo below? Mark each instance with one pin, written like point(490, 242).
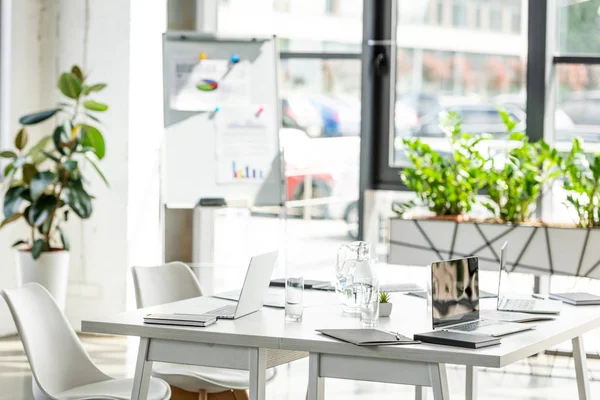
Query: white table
point(263, 340)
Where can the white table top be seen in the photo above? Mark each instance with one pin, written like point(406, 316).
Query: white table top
point(267, 329)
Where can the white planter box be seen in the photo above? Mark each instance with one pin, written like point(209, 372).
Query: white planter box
point(532, 249)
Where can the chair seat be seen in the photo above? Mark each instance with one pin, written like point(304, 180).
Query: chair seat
point(115, 389)
point(193, 378)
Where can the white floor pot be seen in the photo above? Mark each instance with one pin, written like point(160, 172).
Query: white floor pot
point(51, 270)
point(531, 249)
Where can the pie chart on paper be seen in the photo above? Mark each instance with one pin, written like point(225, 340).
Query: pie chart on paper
point(207, 85)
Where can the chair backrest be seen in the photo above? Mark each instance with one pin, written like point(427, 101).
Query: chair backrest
point(57, 359)
point(164, 284)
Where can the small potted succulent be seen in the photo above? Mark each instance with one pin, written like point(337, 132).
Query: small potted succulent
point(385, 307)
point(47, 182)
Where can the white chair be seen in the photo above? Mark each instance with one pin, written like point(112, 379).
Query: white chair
point(61, 368)
point(173, 282)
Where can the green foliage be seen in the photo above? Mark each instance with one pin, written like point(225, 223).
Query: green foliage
point(46, 181)
point(446, 185)
point(384, 297)
point(515, 187)
point(582, 184)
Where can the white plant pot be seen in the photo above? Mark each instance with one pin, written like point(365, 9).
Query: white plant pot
point(532, 249)
point(51, 270)
point(385, 309)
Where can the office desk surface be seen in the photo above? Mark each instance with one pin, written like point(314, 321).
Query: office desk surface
point(267, 329)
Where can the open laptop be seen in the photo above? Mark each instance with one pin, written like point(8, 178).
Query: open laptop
point(532, 306)
point(455, 300)
point(253, 292)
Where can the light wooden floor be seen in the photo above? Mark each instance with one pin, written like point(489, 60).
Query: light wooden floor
point(552, 379)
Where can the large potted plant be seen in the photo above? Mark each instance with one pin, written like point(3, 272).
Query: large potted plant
point(513, 183)
point(45, 183)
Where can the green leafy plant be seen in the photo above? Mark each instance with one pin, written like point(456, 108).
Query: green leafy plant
point(582, 184)
point(45, 182)
point(384, 297)
point(515, 186)
point(447, 186)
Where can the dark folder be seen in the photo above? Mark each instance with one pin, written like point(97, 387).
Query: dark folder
point(576, 298)
point(457, 339)
point(367, 337)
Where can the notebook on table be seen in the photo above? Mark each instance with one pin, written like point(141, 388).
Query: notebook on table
point(457, 339)
point(367, 337)
point(576, 298)
point(180, 319)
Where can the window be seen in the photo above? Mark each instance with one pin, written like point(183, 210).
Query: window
point(516, 22)
point(281, 5)
point(495, 19)
point(440, 13)
point(478, 18)
point(472, 78)
point(459, 15)
point(578, 28)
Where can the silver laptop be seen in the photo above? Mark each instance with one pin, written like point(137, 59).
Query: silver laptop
point(523, 305)
point(253, 292)
point(455, 300)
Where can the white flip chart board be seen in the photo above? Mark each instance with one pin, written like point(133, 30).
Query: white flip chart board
point(222, 119)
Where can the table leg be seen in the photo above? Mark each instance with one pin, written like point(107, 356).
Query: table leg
point(439, 381)
point(420, 393)
point(471, 383)
point(316, 384)
point(258, 367)
point(581, 371)
point(143, 370)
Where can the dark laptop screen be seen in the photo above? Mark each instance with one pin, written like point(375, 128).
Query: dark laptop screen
point(455, 291)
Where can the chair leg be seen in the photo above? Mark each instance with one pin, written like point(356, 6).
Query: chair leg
point(240, 395)
point(203, 394)
point(180, 394)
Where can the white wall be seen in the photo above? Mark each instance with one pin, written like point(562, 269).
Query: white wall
point(48, 36)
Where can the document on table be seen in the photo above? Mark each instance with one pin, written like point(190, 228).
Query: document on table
point(509, 316)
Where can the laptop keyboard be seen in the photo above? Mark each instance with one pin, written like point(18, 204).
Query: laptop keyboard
point(518, 304)
point(473, 326)
point(223, 311)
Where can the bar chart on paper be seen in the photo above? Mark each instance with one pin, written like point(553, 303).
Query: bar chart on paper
point(246, 172)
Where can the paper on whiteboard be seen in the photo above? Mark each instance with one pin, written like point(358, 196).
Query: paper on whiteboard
point(203, 85)
point(245, 150)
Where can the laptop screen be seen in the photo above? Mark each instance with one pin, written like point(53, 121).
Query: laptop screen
point(455, 291)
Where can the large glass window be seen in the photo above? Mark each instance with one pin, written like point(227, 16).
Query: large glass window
point(579, 27)
point(436, 71)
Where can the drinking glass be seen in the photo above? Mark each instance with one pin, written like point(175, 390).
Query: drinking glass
point(294, 298)
point(369, 308)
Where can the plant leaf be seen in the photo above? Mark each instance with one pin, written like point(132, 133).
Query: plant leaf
point(37, 248)
point(12, 200)
point(78, 199)
point(57, 137)
point(41, 209)
point(94, 88)
point(29, 171)
point(8, 154)
point(51, 156)
point(75, 70)
point(70, 165)
point(64, 239)
point(95, 105)
point(93, 138)
point(36, 151)
point(18, 243)
point(69, 85)
point(97, 168)
point(40, 182)
point(21, 139)
point(10, 219)
point(36, 118)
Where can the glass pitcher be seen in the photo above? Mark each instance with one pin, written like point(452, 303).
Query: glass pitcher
point(355, 277)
